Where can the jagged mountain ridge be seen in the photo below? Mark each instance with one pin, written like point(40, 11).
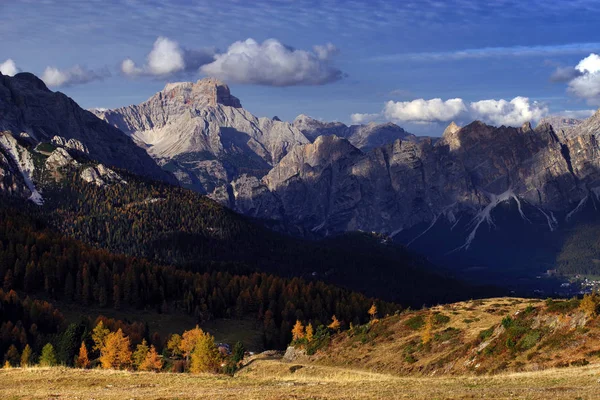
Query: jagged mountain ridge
point(441, 198)
point(201, 132)
point(32, 112)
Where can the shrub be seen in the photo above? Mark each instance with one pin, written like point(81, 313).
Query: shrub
point(416, 322)
point(529, 340)
point(562, 306)
point(483, 335)
point(590, 304)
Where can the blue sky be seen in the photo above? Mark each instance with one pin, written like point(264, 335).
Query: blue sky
point(379, 60)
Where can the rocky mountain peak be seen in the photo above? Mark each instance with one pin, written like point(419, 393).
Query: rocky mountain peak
point(526, 127)
point(205, 92)
point(451, 129)
point(29, 79)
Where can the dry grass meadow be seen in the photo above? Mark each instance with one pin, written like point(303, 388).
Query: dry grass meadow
point(273, 379)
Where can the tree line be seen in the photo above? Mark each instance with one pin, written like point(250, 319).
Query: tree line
point(36, 260)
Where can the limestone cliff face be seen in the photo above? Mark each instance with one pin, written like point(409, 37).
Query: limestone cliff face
point(26, 105)
point(201, 133)
point(331, 186)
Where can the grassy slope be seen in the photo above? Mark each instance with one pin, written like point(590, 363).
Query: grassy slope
point(272, 379)
point(473, 340)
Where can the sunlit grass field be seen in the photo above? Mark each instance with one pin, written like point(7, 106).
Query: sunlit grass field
point(273, 379)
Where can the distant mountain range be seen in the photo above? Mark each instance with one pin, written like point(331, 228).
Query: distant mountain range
point(452, 198)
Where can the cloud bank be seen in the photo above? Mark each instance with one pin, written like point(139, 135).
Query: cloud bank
point(75, 75)
point(9, 68)
point(271, 63)
point(166, 58)
point(420, 110)
point(587, 84)
point(496, 112)
point(358, 118)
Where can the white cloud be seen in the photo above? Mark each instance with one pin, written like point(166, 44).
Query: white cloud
point(491, 52)
point(496, 112)
point(358, 118)
point(167, 57)
point(512, 113)
point(587, 84)
point(590, 64)
point(75, 75)
point(272, 63)
point(9, 68)
point(422, 111)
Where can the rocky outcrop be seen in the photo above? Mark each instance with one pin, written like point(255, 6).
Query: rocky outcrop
point(26, 105)
point(101, 176)
point(73, 144)
point(200, 132)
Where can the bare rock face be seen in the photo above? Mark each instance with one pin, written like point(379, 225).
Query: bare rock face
point(590, 126)
point(70, 144)
point(200, 132)
point(561, 124)
point(12, 179)
point(101, 176)
point(331, 186)
point(26, 105)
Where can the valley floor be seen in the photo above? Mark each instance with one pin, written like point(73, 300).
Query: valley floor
point(273, 379)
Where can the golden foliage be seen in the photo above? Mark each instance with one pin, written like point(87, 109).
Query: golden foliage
point(427, 334)
point(140, 354)
point(152, 362)
point(116, 352)
point(590, 304)
point(335, 324)
point(205, 356)
point(309, 333)
point(298, 331)
point(189, 340)
point(373, 311)
point(174, 345)
point(99, 335)
point(26, 356)
point(82, 359)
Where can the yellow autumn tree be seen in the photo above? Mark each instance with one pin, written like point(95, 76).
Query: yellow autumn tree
point(297, 331)
point(174, 345)
point(116, 352)
point(26, 356)
point(82, 360)
point(140, 354)
point(189, 340)
point(99, 334)
point(590, 304)
point(205, 356)
point(335, 324)
point(373, 311)
point(309, 333)
point(152, 362)
point(427, 334)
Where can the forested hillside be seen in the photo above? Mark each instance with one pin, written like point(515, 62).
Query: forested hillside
point(35, 260)
point(179, 227)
